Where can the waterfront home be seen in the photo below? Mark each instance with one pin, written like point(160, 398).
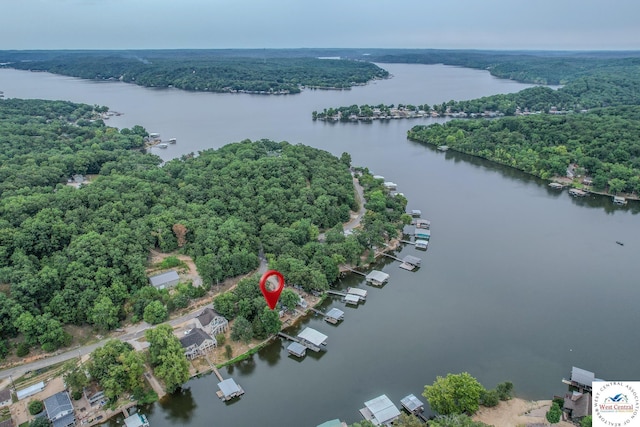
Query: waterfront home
point(136, 420)
point(297, 349)
point(377, 278)
point(380, 411)
point(229, 389)
point(313, 337)
point(60, 410)
point(334, 316)
point(577, 401)
point(581, 379)
point(197, 343)
point(212, 322)
point(412, 404)
point(93, 393)
point(164, 280)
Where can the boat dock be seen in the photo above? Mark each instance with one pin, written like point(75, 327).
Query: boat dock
point(409, 262)
point(307, 344)
point(354, 271)
point(408, 242)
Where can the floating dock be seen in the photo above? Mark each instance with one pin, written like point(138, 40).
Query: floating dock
point(297, 349)
point(377, 278)
point(412, 404)
point(334, 316)
point(229, 389)
point(380, 411)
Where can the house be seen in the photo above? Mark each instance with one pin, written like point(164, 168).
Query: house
point(165, 280)
point(380, 411)
point(212, 322)
point(197, 343)
point(581, 379)
point(5, 397)
point(93, 393)
point(60, 410)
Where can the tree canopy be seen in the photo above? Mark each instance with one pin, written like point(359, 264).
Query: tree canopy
point(454, 394)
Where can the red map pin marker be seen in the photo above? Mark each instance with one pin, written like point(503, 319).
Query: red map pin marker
point(271, 295)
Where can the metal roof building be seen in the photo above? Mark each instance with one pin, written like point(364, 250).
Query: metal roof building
point(312, 336)
point(297, 349)
point(136, 420)
point(380, 411)
point(30, 391)
point(360, 293)
point(352, 299)
point(60, 410)
point(229, 389)
point(334, 315)
point(165, 280)
point(412, 404)
point(333, 423)
point(413, 260)
point(377, 277)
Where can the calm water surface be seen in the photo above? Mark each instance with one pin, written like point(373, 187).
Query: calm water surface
point(520, 282)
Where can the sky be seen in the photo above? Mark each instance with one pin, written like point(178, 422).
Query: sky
point(219, 24)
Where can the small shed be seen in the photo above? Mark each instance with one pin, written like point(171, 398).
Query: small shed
point(30, 391)
point(297, 349)
point(312, 336)
point(377, 278)
point(334, 315)
point(229, 389)
point(380, 411)
point(360, 293)
point(412, 404)
point(165, 280)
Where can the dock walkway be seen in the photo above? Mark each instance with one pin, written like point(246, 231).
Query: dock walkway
point(341, 294)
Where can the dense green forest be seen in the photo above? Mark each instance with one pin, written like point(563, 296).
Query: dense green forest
point(604, 144)
point(203, 72)
point(78, 255)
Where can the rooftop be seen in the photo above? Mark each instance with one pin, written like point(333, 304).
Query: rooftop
point(163, 278)
point(313, 336)
point(197, 336)
point(136, 420)
point(410, 259)
point(362, 293)
point(382, 410)
point(28, 391)
point(297, 349)
point(377, 276)
point(335, 313)
point(229, 387)
point(411, 403)
point(582, 376)
point(207, 315)
point(59, 409)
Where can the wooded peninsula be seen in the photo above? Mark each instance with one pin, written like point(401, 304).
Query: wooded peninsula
point(77, 256)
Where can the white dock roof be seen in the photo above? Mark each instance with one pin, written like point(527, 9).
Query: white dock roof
point(412, 403)
point(297, 348)
point(377, 276)
point(335, 313)
point(382, 409)
point(362, 293)
point(313, 336)
point(228, 387)
point(352, 299)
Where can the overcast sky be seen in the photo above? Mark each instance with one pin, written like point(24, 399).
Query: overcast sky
point(476, 24)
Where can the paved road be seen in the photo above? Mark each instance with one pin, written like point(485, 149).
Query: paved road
point(131, 333)
point(355, 221)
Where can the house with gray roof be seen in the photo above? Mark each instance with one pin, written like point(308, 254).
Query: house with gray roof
point(197, 343)
point(212, 322)
point(5, 397)
point(60, 410)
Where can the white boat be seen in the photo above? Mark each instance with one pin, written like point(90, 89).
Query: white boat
point(172, 140)
point(163, 145)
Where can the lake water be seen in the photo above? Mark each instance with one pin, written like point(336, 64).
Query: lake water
point(520, 282)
